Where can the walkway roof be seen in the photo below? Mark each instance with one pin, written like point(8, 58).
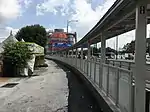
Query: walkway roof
point(119, 19)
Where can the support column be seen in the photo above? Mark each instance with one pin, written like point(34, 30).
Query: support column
point(92, 50)
point(88, 57)
point(103, 58)
point(81, 61)
point(140, 55)
point(76, 56)
point(81, 52)
point(89, 52)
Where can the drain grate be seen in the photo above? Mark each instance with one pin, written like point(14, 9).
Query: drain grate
point(9, 85)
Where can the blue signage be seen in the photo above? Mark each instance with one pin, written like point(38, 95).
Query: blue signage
point(60, 45)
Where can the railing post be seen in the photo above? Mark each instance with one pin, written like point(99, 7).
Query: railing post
point(117, 87)
point(73, 57)
point(90, 67)
point(82, 58)
point(108, 81)
point(76, 57)
point(131, 92)
point(140, 54)
point(69, 57)
point(94, 69)
point(88, 57)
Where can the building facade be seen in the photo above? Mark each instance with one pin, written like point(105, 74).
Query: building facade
point(58, 40)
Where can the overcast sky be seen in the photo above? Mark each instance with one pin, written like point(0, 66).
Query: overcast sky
point(15, 14)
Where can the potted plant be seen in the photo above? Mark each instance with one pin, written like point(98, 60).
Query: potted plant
point(15, 57)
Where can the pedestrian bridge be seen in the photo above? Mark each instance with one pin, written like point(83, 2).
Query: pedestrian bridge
point(122, 84)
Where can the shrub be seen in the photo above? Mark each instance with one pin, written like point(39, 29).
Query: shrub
point(17, 53)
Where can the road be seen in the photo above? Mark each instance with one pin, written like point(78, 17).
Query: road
point(54, 89)
point(47, 92)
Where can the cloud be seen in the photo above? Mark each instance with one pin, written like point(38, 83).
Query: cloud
point(86, 14)
point(5, 31)
point(11, 9)
point(88, 17)
point(27, 3)
point(52, 27)
point(52, 6)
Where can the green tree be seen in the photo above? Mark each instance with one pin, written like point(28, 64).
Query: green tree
point(129, 47)
point(33, 33)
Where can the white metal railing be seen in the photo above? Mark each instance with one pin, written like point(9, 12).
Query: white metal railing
point(116, 81)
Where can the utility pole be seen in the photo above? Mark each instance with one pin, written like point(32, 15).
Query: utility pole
point(69, 21)
point(117, 47)
point(75, 35)
point(148, 43)
point(67, 26)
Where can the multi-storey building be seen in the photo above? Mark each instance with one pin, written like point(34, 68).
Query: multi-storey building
point(58, 40)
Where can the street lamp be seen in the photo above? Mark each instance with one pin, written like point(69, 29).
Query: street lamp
point(69, 21)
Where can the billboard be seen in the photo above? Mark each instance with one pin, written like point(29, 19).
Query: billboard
point(60, 40)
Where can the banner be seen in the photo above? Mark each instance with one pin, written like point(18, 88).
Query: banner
point(61, 45)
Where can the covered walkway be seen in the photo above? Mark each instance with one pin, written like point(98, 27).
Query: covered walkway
point(121, 83)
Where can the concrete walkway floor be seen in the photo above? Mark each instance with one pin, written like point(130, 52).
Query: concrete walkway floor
point(47, 92)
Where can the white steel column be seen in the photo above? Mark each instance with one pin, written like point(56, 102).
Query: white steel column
point(89, 51)
point(81, 61)
point(81, 52)
point(103, 58)
point(103, 48)
point(76, 56)
point(140, 55)
point(88, 57)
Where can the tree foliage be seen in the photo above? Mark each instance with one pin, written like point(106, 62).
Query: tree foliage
point(33, 33)
point(129, 47)
point(17, 53)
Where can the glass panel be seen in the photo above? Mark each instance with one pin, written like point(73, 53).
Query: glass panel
point(92, 70)
point(89, 64)
point(74, 61)
point(97, 73)
point(104, 78)
point(80, 64)
point(83, 61)
point(124, 91)
point(112, 82)
point(85, 67)
point(77, 62)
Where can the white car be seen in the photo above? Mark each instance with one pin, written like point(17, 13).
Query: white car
point(148, 58)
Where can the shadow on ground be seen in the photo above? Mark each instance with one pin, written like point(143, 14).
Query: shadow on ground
point(80, 98)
